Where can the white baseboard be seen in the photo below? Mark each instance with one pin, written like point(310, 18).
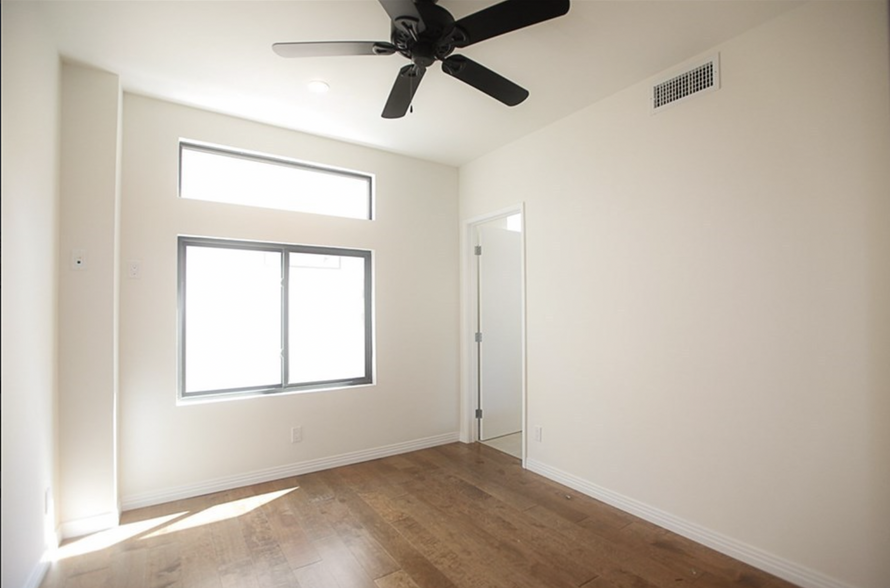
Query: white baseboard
point(35, 578)
point(94, 524)
point(296, 469)
point(787, 570)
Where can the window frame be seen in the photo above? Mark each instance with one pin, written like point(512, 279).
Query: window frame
point(276, 160)
point(282, 387)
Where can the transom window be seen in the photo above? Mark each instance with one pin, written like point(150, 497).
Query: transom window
point(218, 174)
point(261, 318)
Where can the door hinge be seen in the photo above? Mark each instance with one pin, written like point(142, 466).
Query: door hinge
point(478, 413)
point(477, 250)
point(478, 337)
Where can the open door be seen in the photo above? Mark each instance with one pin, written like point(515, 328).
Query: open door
point(499, 327)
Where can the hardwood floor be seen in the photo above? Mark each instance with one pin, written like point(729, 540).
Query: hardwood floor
point(456, 516)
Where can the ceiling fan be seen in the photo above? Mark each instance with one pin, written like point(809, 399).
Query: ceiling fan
point(425, 33)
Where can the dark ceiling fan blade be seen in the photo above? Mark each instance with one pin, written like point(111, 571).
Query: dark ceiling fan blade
point(403, 90)
point(507, 16)
point(405, 15)
point(333, 48)
point(484, 80)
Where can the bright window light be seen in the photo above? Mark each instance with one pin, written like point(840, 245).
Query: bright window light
point(262, 318)
point(220, 175)
point(234, 318)
point(326, 318)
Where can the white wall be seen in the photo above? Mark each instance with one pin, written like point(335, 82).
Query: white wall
point(708, 328)
point(88, 299)
point(30, 205)
point(168, 450)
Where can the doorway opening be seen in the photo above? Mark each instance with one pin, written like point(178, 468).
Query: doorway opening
point(495, 392)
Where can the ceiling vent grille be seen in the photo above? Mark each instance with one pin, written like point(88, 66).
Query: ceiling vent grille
point(700, 78)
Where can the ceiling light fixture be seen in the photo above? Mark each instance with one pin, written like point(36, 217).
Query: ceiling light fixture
point(318, 86)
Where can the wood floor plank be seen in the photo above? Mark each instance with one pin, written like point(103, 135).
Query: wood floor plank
point(456, 562)
point(398, 579)
point(481, 545)
point(598, 582)
point(494, 487)
point(615, 563)
point(402, 552)
point(316, 576)
point(292, 539)
point(235, 561)
point(363, 477)
point(80, 569)
point(237, 573)
point(271, 565)
point(303, 507)
point(199, 568)
point(130, 568)
point(373, 558)
point(390, 474)
point(506, 471)
point(341, 564)
point(315, 488)
point(453, 516)
point(569, 503)
point(680, 553)
point(164, 564)
point(537, 543)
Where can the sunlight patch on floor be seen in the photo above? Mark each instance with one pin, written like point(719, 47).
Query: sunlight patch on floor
point(219, 512)
point(165, 524)
point(105, 539)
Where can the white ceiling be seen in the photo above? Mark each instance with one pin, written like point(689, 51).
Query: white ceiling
point(217, 56)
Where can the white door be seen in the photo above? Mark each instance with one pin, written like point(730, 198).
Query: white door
point(499, 327)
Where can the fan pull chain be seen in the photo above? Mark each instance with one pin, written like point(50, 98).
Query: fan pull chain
point(413, 90)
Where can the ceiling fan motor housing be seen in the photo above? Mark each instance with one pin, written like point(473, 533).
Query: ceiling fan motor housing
point(434, 40)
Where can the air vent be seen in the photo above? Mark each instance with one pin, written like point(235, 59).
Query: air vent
point(700, 78)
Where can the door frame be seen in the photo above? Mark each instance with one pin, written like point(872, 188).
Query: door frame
point(469, 432)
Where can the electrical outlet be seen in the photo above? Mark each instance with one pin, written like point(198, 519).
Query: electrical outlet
point(134, 269)
point(539, 433)
point(296, 434)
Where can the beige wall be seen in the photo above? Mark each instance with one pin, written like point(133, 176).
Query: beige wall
point(88, 301)
point(708, 296)
point(168, 449)
point(30, 213)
